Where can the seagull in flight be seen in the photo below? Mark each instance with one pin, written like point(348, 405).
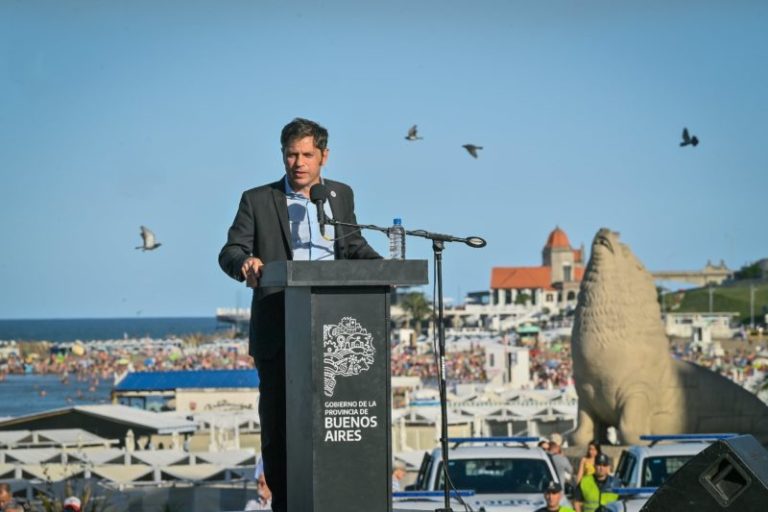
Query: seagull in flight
point(688, 140)
point(472, 149)
point(149, 240)
point(413, 134)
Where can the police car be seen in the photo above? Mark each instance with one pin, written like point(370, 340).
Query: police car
point(644, 468)
point(496, 474)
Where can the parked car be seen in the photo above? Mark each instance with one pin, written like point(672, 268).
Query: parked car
point(497, 474)
point(644, 468)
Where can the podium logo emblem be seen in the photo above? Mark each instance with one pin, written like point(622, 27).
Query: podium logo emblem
point(347, 351)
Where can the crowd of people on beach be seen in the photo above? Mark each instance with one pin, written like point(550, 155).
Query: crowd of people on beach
point(461, 366)
point(82, 363)
point(551, 366)
point(550, 363)
point(744, 365)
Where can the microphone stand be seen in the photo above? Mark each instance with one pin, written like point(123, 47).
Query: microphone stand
point(438, 244)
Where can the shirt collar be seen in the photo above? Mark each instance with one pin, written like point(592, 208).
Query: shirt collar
point(289, 192)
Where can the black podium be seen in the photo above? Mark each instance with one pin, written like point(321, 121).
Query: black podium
point(337, 358)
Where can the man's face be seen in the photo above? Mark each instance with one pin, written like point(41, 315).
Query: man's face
point(602, 471)
point(303, 161)
point(552, 499)
point(5, 496)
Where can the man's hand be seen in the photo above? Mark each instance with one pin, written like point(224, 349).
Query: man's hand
point(251, 271)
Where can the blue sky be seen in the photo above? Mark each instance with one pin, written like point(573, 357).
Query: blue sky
point(116, 114)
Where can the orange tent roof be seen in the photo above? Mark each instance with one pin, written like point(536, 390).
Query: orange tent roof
point(521, 277)
point(558, 239)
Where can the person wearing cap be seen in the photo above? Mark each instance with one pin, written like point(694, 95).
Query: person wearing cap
point(587, 463)
point(552, 496)
point(562, 465)
point(72, 504)
point(594, 491)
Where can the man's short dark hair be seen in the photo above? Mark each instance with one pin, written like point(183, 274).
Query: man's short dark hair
point(300, 128)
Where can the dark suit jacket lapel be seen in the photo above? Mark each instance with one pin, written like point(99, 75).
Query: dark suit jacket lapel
point(338, 200)
point(281, 208)
point(338, 207)
point(333, 200)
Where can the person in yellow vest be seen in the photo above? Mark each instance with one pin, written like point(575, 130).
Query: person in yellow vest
point(594, 491)
point(552, 496)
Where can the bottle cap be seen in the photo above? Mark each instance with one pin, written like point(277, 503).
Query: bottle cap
point(398, 221)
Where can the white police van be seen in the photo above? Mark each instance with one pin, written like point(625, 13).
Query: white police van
point(492, 474)
point(644, 468)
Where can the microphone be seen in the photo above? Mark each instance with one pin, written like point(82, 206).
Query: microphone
point(318, 194)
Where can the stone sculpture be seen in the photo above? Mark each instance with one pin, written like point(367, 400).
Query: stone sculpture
point(625, 376)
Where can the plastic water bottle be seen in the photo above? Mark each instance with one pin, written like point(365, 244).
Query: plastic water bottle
point(396, 236)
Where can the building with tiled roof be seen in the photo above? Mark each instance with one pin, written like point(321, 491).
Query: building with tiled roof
point(553, 285)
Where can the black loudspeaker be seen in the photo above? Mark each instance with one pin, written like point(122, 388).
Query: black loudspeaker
point(731, 474)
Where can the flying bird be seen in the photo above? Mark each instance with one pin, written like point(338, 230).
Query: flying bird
point(413, 134)
point(149, 240)
point(688, 140)
point(472, 149)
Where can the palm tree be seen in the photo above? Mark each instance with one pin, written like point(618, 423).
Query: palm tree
point(418, 308)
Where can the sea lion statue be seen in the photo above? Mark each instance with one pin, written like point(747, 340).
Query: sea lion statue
point(624, 373)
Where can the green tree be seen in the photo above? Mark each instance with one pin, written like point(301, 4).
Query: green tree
point(752, 271)
point(522, 298)
point(418, 308)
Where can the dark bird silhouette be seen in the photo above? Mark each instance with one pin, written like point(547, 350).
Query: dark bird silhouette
point(688, 140)
point(148, 238)
point(472, 149)
point(413, 134)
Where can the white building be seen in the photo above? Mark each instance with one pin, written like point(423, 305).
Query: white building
point(508, 365)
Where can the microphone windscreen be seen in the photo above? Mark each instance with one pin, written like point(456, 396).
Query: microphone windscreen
point(318, 192)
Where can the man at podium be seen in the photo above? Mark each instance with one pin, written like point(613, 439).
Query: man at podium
point(278, 222)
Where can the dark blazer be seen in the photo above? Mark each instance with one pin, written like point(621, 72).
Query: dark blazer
point(262, 229)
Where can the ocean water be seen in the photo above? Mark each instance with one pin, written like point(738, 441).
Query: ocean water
point(27, 394)
point(31, 393)
point(88, 329)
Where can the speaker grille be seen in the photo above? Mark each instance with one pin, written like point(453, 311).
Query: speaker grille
point(725, 480)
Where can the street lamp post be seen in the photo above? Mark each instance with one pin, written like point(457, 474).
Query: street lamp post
point(751, 307)
point(711, 290)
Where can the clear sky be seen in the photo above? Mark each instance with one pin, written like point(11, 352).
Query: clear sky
point(115, 114)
